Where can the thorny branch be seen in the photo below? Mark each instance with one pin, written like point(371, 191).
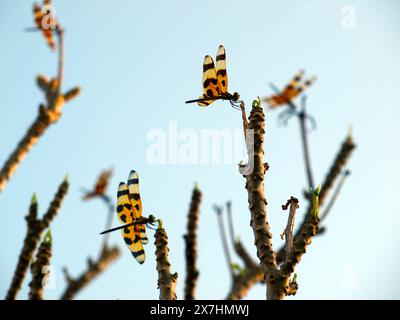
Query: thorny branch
point(35, 229)
point(166, 281)
point(192, 272)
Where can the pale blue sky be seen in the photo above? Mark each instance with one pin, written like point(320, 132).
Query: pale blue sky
point(137, 63)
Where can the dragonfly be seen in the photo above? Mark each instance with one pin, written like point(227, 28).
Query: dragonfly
point(215, 82)
point(45, 21)
point(286, 97)
point(129, 212)
point(292, 90)
point(99, 189)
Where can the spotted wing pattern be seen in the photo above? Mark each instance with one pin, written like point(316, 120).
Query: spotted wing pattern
point(210, 82)
point(222, 77)
point(131, 234)
point(134, 197)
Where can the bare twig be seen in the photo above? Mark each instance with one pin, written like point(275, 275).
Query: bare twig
point(288, 233)
point(109, 219)
point(308, 230)
point(335, 195)
point(244, 119)
point(252, 274)
point(341, 159)
point(60, 72)
point(218, 210)
point(39, 273)
point(33, 235)
point(99, 191)
point(243, 283)
point(47, 115)
point(237, 244)
point(166, 281)
point(192, 272)
point(94, 268)
point(230, 221)
point(302, 116)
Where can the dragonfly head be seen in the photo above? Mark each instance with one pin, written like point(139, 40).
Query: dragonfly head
point(152, 219)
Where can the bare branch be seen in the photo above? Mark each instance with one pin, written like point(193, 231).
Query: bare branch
point(43, 256)
point(33, 235)
point(109, 219)
point(166, 281)
point(218, 210)
point(47, 115)
point(94, 269)
point(288, 233)
point(302, 116)
point(257, 201)
point(308, 230)
point(243, 283)
point(237, 244)
point(344, 153)
point(335, 195)
point(253, 273)
point(339, 163)
point(230, 221)
point(244, 119)
point(192, 272)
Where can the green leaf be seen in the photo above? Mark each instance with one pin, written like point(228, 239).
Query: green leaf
point(34, 198)
point(256, 103)
point(315, 202)
point(48, 238)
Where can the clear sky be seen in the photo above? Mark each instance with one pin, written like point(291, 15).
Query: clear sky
point(137, 62)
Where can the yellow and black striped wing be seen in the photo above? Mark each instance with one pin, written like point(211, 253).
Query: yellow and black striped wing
point(47, 33)
point(125, 214)
point(222, 76)
point(210, 82)
point(136, 201)
point(306, 84)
